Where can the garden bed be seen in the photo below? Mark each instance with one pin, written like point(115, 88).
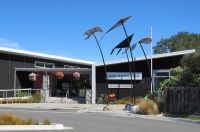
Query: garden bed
point(26, 99)
point(10, 121)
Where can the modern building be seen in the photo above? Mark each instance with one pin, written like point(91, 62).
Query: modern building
point(118, 74)
point(16, 66)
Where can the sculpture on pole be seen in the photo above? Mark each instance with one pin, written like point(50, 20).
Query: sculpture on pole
point(119, 23)
point(90, 32)
point(146, 41)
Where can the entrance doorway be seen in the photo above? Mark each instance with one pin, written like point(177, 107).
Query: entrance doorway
point(70, 87)
point(67, 87)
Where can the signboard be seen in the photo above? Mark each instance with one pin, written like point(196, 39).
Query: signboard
point(119, 86)
point(123, 76)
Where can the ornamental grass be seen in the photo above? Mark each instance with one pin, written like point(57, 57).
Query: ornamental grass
point(12, 119)
point(147, 107)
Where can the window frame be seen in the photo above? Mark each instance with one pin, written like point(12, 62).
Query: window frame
point(44, 64)
point(70, 66)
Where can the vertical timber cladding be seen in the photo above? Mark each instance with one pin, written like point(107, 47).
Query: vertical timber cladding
point(8, 63)
point(143, 86)
point(4, 68)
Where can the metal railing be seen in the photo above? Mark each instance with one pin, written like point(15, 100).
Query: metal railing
point(5, 92)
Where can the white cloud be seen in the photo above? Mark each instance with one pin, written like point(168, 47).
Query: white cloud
point(8, 43)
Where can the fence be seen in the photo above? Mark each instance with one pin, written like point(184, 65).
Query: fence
point(7, 93)
point(181, 100)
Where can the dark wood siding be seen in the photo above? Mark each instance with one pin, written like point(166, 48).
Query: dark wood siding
point(4, 74)
point(10, 61)
point(143, 86)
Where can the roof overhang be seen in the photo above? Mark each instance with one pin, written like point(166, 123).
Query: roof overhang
point(43, 56)
point(156, 56)
point(65, 70)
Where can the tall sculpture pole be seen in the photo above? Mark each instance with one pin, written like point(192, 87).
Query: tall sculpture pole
point(90, 32)
point(121, 22)
point(125, 44)
point(147, 41)
point(132, 63)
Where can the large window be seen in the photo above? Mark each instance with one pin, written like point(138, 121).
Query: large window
point(44, 64)
point(159, 76)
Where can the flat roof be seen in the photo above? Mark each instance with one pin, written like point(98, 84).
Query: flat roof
point(69, 70)
point(156, 56)
point(43, 56)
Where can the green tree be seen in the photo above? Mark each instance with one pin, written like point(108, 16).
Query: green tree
point(192, 62)
point(178, 42)
point(186, 76)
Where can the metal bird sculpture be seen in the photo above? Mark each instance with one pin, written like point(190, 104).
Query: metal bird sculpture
point(121, 22)
point(124, 44)
point(131, 48)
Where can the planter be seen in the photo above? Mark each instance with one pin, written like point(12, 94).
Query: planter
point(76, 75)
point(32, 77)
point(59, 74)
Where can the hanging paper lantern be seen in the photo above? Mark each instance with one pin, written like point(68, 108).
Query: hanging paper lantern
point(59, 74)
point(76, 75)
point(32, 76)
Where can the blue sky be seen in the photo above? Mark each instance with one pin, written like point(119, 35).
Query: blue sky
point(57, 26)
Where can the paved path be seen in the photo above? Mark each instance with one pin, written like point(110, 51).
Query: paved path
point(97, 121)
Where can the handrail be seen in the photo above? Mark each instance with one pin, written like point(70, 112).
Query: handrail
point(18, 89)
point(5, 91)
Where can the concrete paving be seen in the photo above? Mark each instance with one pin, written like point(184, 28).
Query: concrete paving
point(96, 121)
point(57, 105)
point(84, 108)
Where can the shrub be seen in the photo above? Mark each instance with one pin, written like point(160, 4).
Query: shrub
point(160, 103)
point(30, 121)
point(36, 98)
point(105, 99)
point(175, 80)
point(21, 94)
point(147, 107)
point(102, 99)
point(46, 122)
point(191, 62)
point(10, 101)
point(138, 100)
point(126, 100)
point(11, 119)
point(186, 76)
